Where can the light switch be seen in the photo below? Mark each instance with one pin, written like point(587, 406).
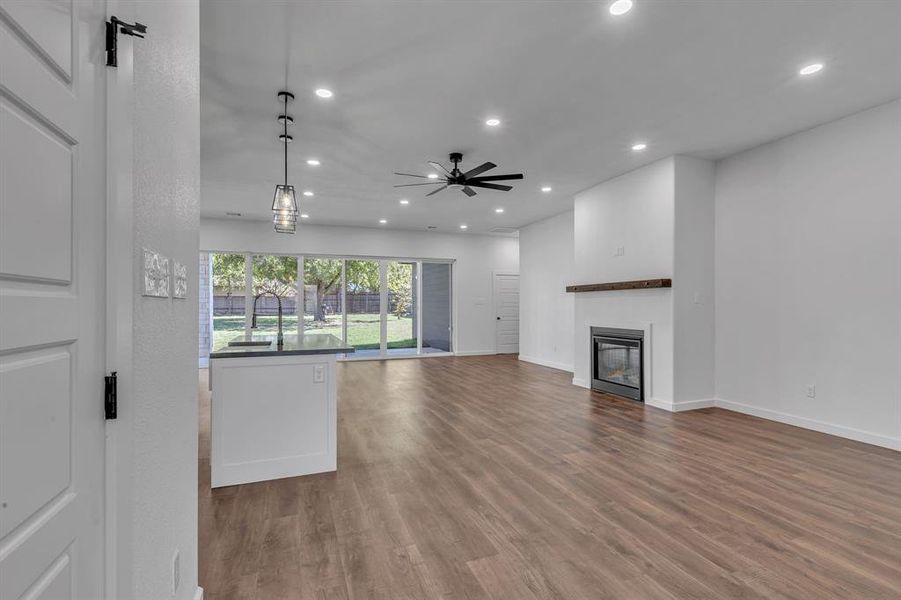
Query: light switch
point(318, 374)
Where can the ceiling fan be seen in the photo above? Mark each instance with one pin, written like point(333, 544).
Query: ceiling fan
point(457, 180)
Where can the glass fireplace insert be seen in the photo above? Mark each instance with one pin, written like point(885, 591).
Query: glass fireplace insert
point(617, 361)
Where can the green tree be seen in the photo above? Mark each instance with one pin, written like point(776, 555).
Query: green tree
point(275, 275)
point(325, 274)
point(362, 276)
point(228, 274)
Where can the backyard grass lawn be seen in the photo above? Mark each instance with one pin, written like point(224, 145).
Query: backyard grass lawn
point(362, 330)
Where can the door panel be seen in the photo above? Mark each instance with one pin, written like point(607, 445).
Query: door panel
point(45, 26)
point(506, 306)
point(436, 307)
point(45, 214)
point(35, 425)
point(52, 291)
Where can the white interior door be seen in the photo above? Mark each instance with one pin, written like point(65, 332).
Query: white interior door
point(52, 294)
point(506, 306)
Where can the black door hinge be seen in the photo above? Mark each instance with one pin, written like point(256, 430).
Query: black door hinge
point(110, 401)
point(115, 26)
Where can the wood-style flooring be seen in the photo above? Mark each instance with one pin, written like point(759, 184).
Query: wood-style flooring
point(486, 477)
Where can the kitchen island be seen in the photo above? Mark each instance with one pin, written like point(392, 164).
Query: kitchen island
point(273, 408)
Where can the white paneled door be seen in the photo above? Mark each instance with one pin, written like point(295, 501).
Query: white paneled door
point(506, 307)
point(52, 291)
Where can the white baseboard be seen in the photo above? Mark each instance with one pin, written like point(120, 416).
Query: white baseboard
point(680, 406)
point(867, 437)
point(657, 402)
point(198, 595)
point(546, 363)
point(474, 353)
point(877, 439)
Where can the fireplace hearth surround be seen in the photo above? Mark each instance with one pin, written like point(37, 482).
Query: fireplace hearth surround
point(617, 361)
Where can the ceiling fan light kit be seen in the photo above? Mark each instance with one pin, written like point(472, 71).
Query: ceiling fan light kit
point(455, 179)
point(284, 201)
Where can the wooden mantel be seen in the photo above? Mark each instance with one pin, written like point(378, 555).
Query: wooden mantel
point(640, 284)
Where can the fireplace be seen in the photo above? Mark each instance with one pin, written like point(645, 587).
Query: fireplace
point(617, 361)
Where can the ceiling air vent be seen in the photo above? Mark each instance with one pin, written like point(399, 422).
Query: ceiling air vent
point(233, 214)
point(504, 230)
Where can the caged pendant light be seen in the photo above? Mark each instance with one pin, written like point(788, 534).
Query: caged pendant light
point(284, 202)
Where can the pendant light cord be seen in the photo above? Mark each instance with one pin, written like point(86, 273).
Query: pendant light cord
point(285, 115)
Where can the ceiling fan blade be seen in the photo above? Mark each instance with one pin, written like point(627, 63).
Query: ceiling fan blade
point(429, 183)
point(469, 191)
point(411, 175)
point(497, 177)
point(438, 190)
point(480, 169)
point(439, 167)
point(491, 186)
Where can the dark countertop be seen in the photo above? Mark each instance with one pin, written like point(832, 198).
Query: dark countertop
point(309, 343)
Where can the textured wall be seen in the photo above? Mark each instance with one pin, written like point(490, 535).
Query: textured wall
point(205, 301)
point(166, 218)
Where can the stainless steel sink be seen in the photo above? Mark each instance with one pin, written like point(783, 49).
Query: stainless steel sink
point(250, 343)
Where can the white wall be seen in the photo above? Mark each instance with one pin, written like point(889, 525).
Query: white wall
point(546, 311)
point(808, 278)
point(633, 211)
point(693, 277)
point(157, 508)
point(477, 257)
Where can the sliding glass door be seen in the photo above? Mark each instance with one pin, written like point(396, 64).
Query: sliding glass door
point(364, 306)
point(227, 280)
point(323, 304)
point(437, 332)
point(400, 319)
point(381, 307)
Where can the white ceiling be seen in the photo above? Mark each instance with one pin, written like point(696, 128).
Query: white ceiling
point(574, 86)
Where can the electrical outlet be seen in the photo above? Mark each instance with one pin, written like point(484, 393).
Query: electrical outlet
point(619, 251)
point(318, 374)
point(811, 391)
point(176, 572)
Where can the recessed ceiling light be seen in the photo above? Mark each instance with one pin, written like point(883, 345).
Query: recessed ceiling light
point(493, 122)
point(463, 226)
point(313, 162)
point(432, 175)
point(498, 210)
point(546, 189)
point(404, 201)
point(304, 216)
point(811, 69)
point(383, 221)
point(324, 93)
point(639, 146)
point(308, 193)
point(620, 7)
